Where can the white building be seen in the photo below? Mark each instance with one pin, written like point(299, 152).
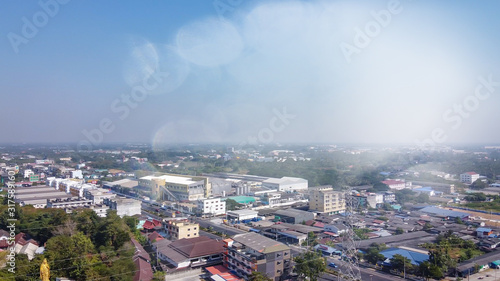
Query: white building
point(374, 200)
point(124, 206)
point(285, 184)
point(77, 174)
point(240, 215)
point(98, 195)
point(212, 206)
point(469, 177)
point(396, 184)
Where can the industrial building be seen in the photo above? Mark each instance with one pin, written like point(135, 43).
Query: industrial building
point(293, 216)
point(241, 215)
point(285, 184)
point(38, 196)
point(177, 187)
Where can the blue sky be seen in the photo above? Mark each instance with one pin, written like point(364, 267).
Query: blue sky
point(261, 71)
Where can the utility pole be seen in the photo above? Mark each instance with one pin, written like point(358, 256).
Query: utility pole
point(404, 268)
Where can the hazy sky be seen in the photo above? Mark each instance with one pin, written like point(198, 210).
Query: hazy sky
point(249, 71)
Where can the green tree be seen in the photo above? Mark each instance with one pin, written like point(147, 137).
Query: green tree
point(310, 265)
point(399, 230)
point(373, 255)
point(379, 186)
point(479, 184)
point(401, 263)
point(232, 205)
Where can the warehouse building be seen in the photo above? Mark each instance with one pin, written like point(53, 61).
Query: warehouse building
point(293, 216)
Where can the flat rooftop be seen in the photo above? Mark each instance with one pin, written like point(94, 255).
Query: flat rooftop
point(260, 243)
point(172, 179)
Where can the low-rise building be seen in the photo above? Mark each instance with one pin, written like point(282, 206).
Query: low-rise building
point(242, 215)
point(285, 184)
point(211, 206)
point(98, 195)
point(396, 184)
point(389, 197)
point(249, 252)
point(374, 200)
point(190, 253)
point(181, 229)
point(294, 215)
point(483, 232)
point(469, 177)
point(73, 202)
point(123, 206)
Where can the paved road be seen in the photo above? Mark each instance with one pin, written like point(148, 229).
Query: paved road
point(231, 231)
point(210, 235)
point(366, 273)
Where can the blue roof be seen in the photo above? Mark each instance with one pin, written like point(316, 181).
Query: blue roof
point(484, 229)
point(444, 212)
point(415, 257)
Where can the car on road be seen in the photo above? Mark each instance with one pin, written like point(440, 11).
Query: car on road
point(332, 265)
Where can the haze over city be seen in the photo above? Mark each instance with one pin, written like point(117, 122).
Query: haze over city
point(270, 71)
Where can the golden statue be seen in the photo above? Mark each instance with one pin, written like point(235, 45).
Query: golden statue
point(45, 271)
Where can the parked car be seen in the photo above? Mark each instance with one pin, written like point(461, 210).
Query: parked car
point(332, 265)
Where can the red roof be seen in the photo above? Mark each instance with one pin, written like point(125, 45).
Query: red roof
point(228, 276)
point(4, 244)
point(471, 173)
point(150, 224)
point(309, 222)
point(222, 272)
point(155, 236)
point(378, 221)
point(330, 233)
point(218, 269)
point(144, 271)
point(319, 224)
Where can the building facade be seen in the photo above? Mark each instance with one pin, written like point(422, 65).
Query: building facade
point(177, 187)
point(285, 184)
point(124, 206)
point(249, 252)
point(211, 207)
point(469, 177)
point(181, 229)
point(327, 200)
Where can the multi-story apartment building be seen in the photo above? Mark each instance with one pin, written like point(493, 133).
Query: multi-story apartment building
point(211, 207)
point(326, 200)
point(249, 252)
point(181, 229)
point(177, 187)
point(469, 177)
